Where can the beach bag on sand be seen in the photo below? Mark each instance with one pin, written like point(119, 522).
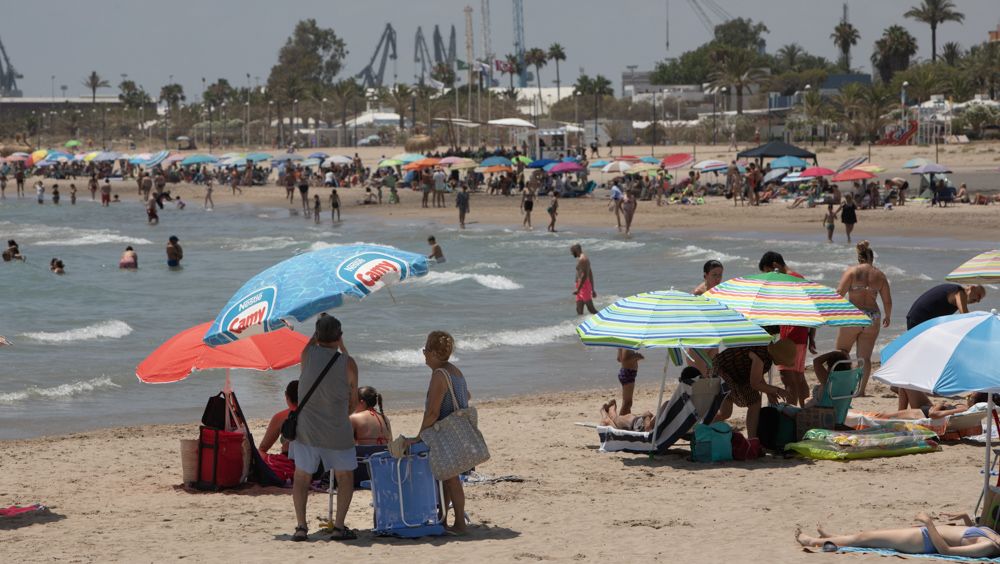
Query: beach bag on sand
point(455, 443)
point(216, 412)
point(712, 443)
point(746, 449)
point(776, 428)
point(220, 459)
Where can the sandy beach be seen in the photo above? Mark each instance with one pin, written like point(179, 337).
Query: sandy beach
point(116, 496)
point(975, 164)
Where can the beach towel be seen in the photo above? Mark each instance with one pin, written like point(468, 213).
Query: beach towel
point(694, 401)
point(15, 511)
point(897, 554)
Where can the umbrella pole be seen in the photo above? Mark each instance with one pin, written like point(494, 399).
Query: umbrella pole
point(989, 437)
point(659, 401)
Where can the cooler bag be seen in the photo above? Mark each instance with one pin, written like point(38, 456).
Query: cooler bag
point(404, 494)
point(776, 428)
point(220, 459)
point(712, 443)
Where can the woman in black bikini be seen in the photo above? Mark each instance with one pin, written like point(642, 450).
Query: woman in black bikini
point(862, 285)
point(528, 203)
point(849, 215)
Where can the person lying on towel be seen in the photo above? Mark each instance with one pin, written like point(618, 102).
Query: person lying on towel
point(929, 538)
point(933, 411)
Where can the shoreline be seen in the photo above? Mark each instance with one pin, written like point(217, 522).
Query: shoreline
point(574, 504)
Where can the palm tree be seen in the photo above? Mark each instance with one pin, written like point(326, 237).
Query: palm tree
point(790, 56)
point(512, 68)
point(893, 51)
point(557, 53)
point(399, 97)
point(344, 95)
point(814, 108)
point(932, 13)
point(737, 69)
point(93, 82)
point(951, 52)
point(848, 103)
point(537, 58)
point(877, 101)
point(982, 66)
point(924, 81)
point(845, 36)
point(172, 95)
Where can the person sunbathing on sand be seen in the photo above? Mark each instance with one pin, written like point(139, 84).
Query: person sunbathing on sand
point(952, 540)
point(933, 411)
point(630, 422)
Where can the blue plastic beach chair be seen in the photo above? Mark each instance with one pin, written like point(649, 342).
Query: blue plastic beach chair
point(405, 494)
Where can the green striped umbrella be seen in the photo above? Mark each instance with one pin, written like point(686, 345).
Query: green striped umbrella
point(669, 319)
point(781, 299)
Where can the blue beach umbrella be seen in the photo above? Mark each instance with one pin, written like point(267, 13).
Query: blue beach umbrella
point(788, 162)
point(599, 163)
point(319, 155)
point(946, 356)
point(496, 161)
point(915, 163)
point(198, 159)
point(650, 160)
point(254, 157)
point(306, 285)
point(570, 159)
point(540, 163)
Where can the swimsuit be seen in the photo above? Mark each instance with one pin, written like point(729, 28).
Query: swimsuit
point(639, 424)
point(173, 263)
point(971, 532)
point(586, 292)
point(627, 376)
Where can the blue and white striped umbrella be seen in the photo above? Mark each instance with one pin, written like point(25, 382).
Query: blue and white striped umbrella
point(669, 319)
point(946, 356)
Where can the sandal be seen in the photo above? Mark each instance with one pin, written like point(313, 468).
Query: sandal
point(343, 534)
point(301, 534)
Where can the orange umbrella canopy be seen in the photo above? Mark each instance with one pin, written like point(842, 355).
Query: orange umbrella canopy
point(852, 174)
point(497, 168)
point(422, 163)
point(185, 352)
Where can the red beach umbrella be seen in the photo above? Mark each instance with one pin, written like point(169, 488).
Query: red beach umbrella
point(185, 352)
point(815, 171)
point(851, 175)
point(677, 160)
point(627, 158)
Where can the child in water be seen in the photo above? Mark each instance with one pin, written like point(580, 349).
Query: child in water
point(436, 252)
point(829, 222)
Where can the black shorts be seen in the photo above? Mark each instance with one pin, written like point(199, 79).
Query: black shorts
point(303, 189)
point(529, 205)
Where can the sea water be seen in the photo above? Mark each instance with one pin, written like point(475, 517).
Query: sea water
point(504, 293)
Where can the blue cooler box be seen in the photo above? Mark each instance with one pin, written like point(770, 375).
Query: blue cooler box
point(404, 494)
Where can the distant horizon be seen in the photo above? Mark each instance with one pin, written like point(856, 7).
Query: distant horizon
point(149, 44)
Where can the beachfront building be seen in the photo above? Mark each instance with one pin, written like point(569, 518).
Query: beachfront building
point(45, 117)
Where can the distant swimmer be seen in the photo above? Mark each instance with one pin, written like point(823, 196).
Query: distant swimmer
point(436, 252)
point(40, 192)
point(152, 216)
point(4, 342)
point(584, 290)
point(129, 260)
point(57, 266)
point(13, 252)
point(55, 194)
point(174, 252)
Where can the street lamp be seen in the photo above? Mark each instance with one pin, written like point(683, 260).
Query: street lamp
point(211, 138)
point(322, 114)
point(267, 126)
point(902, 104)
point(808, 88)
point(246, 127)
point(295, 111)
point(652, 147)
point(225, 124)
point(715, 125)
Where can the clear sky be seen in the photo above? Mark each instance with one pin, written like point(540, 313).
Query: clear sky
point(191, 39)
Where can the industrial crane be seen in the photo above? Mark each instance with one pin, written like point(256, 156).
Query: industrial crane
point(442, 55)
point(421, 54)
point(8, 76)
point(387, 47)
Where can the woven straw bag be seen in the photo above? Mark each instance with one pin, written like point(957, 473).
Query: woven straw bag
point(455, 443)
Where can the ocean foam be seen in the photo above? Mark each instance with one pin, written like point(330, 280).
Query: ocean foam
point(481, 266)
point(397, 358)
point(259, 244)
point(699, 254)
point(492, 281)
point(528, 337)
point(63, 391)
point(113, 329)
point(588, 244)
point(47, 236)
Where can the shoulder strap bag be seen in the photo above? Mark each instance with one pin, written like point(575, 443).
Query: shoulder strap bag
point(288, 427)
point(455, 443)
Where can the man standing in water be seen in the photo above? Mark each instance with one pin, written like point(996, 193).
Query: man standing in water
point(584, 291)
point(174, 252)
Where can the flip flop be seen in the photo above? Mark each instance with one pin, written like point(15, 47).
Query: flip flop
point(343, 534)
point(301, 534)
point(830, 547)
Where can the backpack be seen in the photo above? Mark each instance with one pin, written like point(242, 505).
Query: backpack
point(712, 443)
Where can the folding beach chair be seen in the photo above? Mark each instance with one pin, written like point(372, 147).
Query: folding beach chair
point(694, 401)
point(841, 387)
